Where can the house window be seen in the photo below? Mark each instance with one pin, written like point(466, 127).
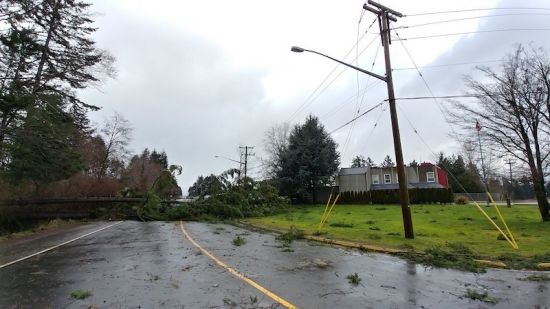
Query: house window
point(430, 177)
point(375, 179)
point(387, 178)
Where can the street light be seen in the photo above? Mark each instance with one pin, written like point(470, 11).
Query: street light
point(240, 164)
point(297, 49)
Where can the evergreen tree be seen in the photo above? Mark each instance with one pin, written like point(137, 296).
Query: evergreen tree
point(370, 162)
point(388, 162)
point(46, 50)
point(209, 185)
point(45, 147)
point(310, 160)
point(462, 177)
point(359, 161)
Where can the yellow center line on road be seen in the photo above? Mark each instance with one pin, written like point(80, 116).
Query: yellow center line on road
point(57, 246)
point(237, 274)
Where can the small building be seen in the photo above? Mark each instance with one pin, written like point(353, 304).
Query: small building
point(362, 179)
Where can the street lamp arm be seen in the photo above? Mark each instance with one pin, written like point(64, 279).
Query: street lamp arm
point(380, 77)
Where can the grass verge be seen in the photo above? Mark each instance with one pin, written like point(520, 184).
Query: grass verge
point(36, 227)
point(437, 227)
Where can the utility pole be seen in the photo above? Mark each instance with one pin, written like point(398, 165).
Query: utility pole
point(385, 15)
point(245, 154)
point(510, 187)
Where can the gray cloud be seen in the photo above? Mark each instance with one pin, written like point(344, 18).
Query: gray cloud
point(179, 92)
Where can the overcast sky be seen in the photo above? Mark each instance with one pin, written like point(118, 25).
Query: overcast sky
point(201, 78)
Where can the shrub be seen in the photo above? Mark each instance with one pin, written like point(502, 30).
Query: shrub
point(461, 200)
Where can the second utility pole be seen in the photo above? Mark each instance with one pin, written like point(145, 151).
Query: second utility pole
point(246, 155)
point(384, 18)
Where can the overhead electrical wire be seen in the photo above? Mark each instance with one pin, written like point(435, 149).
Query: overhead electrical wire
point(452, 129)
point(382, 110)
point(316, 93)
point(360, 97)
point(443, 97)
point(345, 102)
point(446, 65)
point(469, 32)
point(477, 10)
point(468, 18)
point(357, 117)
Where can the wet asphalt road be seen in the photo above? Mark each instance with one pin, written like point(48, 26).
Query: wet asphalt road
point(152, 265)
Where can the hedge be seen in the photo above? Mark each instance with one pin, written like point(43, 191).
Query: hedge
point(416, 196)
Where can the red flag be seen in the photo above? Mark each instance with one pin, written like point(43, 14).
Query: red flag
point(478, 126)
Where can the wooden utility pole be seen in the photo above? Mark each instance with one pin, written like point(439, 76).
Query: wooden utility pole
point(246, 154)
point(386, 14)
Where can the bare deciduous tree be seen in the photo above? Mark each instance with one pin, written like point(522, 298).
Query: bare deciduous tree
point(513, 108)
point(116, 134)
point(275, 143)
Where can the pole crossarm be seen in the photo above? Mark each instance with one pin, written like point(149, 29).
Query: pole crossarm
point(383, 9)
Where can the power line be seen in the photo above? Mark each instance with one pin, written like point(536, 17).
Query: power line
point(469, 18)
point(316, 93)
point(440, 109)
point(475, 10)
point(359, 116)
point(447, 65)
point(382, 110)
point(345, 102)
point(471, 32)
point(443, 97)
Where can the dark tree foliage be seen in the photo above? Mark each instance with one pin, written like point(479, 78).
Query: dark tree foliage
point(309, 160)
point(388, 162)
point(209, 185)
point(370, 162)
point(45, 147)
point(160, 157)
point(413, 163)
point(462, 177)
point(142, 171)
point(359, 161)
point(46, 51)
point(17, 49)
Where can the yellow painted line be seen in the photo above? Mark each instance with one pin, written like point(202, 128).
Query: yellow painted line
point(237, 274)
point(57, 246)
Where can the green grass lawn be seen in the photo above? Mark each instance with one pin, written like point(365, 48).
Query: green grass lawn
point(433, 225)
